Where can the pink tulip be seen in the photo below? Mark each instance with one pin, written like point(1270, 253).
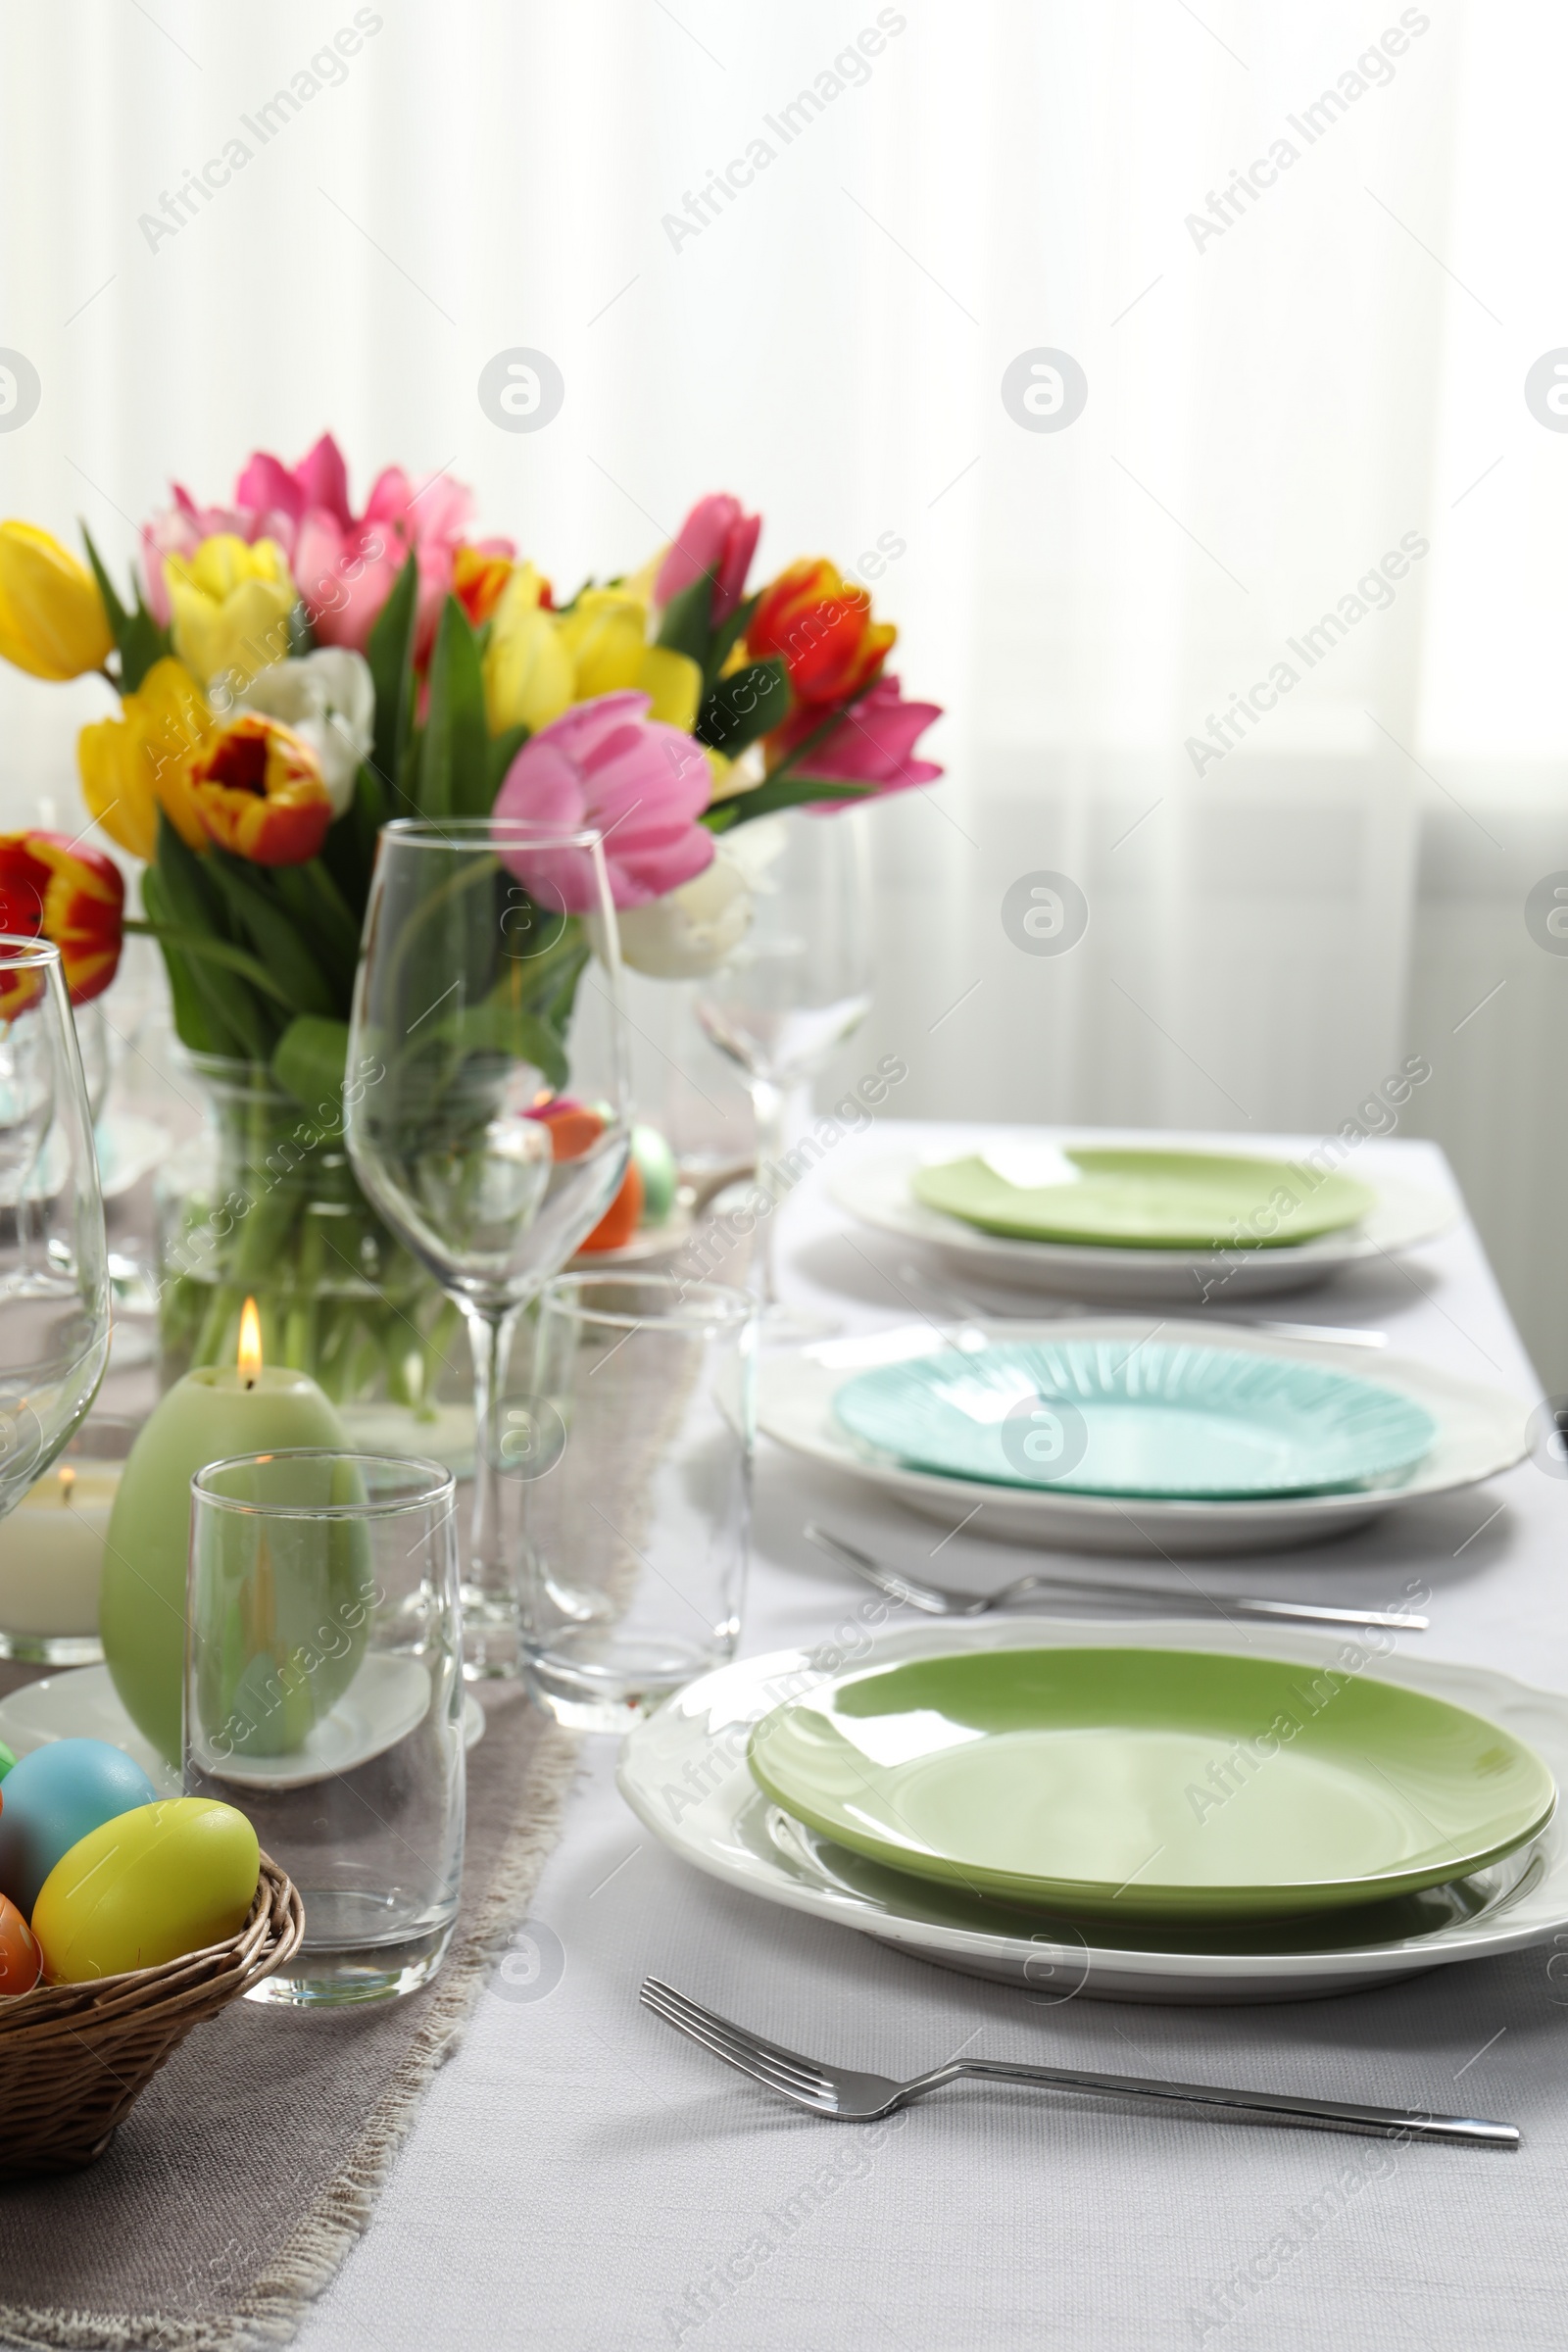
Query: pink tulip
point(347, 566)
point(319, 482)
point(641, 784)
point(871, 745)
point(344, 565)
point(718, 536)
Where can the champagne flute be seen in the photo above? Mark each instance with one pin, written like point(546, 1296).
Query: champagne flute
point(54, 1257)
point(795, 987)
point(490, 1133)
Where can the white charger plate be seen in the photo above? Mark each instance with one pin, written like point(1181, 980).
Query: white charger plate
point(684, 1774)
point(81, 1704)
point(876, 1189)
point(1480, 1431)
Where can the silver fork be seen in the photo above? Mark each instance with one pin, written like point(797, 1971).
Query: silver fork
point(971, 1312)
point(853, 2099)
point(940, 1600)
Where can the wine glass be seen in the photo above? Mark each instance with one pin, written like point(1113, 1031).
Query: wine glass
point(487, 1104)
point(54, 1259)
point(795, 987)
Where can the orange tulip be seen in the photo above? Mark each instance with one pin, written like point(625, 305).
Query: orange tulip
point(822, 628)
point(259, 791)
point(54, 889)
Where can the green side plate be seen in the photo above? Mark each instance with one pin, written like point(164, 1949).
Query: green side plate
point(1148, 1783)
point(1151, 1200)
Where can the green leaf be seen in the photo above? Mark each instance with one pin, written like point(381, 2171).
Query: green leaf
point(454, 755)
point(310, 1062)
point(118, 615)
point(198, 947)
point(788, 792)
point(198, 1024)
point(725, 639)
point(504, 749)
point(138, 639)
point(749, 703)
point(261, 916)
point(686, 628)
point(196, 905)
point(349, 850)
point(322, 916)
point(390, 654)
point(499, 1026)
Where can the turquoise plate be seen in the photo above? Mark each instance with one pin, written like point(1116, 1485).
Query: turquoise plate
point(1137, 1418)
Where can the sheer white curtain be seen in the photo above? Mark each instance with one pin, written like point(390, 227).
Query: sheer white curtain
point(1304, 260)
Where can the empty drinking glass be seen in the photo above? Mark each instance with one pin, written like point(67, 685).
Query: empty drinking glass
point(631, 1456)
point(325, 1698)
point(54, 1267)
point(795, 987)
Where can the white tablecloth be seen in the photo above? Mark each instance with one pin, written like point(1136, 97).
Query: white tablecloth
point(581, 2177)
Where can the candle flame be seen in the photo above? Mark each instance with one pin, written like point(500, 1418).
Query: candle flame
point(68, 1479)
point(249, 1359)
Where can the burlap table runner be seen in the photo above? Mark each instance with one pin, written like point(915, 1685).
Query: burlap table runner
point(252, 2162)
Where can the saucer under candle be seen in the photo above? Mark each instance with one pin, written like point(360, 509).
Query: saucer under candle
point(212, 1413)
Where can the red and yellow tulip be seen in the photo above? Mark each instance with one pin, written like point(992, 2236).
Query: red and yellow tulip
point(52, 888)
point(258, 790)
point(820, 626)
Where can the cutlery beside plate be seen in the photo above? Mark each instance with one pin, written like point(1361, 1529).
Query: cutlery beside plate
point(940, 1600)
point(840, 2095)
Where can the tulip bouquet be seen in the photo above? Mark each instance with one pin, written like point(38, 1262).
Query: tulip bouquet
point(291, 674)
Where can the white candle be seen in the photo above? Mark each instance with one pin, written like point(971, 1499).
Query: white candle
point(52, 1551)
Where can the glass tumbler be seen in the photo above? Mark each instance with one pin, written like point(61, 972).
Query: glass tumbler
point(324, 1698)
point(631, 1453)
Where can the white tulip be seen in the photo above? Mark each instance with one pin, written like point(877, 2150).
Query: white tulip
point(690, 931)
point(328, 698)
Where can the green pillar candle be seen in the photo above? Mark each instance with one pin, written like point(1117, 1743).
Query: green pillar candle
point(214, 1412)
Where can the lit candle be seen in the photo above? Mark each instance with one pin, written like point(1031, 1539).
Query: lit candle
point(214, 1412)
point(52, 1553)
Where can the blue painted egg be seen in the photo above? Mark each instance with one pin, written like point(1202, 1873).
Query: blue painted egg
point(53, 1798)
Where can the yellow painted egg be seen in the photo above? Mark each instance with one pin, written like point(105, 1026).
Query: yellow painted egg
point(145, 1887)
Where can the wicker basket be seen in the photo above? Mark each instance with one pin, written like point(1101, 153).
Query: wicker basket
point(75, 2057)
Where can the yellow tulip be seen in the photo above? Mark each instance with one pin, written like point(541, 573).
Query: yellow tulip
point(605, 634)
point(527, 669)
point(674, 684)
point(231, 604)
point(52, 619)
point(133, 765)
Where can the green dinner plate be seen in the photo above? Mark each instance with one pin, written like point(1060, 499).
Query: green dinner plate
point(1150, 1200)
point(1153, 1783)
point(1105, 1418)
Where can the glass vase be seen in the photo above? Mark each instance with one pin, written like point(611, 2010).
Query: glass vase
point(265, 1205)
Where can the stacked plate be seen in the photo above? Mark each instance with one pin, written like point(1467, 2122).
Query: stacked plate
point(1103, 1433)
point(1134, 1812)
point(1100, 1223)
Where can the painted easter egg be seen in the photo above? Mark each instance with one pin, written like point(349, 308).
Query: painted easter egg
point(146, 1888)
point(52, 1798)
point(656, 1162)
point(18, 1952)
